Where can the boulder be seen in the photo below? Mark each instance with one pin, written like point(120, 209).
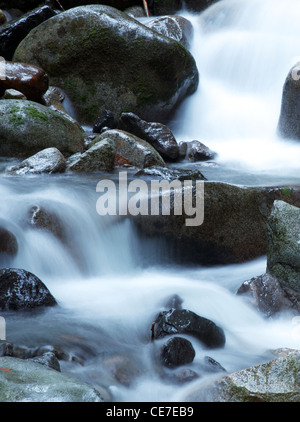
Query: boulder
point(13, 94)
point(99, 157)
point(13, 32)
point(183, 321)
point(267, 295)
point(165, 173)
point(22, 290)
point(49, 160)
point(27, 128)
point(32, 81)
point(289, 119)
point(283, 257)
point(136, 151)
point(176, 27)
point(8, 242)
point(121, 65)
point(156, 134)
point(44, 219)
point(272, 381)
point(177, 351)
point(27, 381)
point(105, 120)
point(197, 151)
point(234, 227)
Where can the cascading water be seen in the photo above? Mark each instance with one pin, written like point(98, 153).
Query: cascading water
point(109, 283)
point(244, 51)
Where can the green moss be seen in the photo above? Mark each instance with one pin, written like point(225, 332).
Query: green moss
point(286, 192)
point(35, 113)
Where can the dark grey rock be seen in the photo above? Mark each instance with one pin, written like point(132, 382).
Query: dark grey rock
point(177, 351)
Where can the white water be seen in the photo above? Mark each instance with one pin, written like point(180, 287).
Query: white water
point(244, 50)
point(109, 283)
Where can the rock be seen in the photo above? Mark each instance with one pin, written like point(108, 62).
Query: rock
point(165, 7)
point(123, 368)
point(234, 227)
point(27, 127)
point(136, 151)
point(288, 124)
point(183, 321)
point(44, 219)
point(182, 149)
point(106, 119)
point(174, 302)
point(165, 173)
point(8, 242)
point(22, 290)
point(48, 359)
point(185, 375)
point(283, 257)
point(13, 94)
point(176, 27)
point(22, 5)
point(273, 381)
point(177, 351)
point(32, 81)
point(27, 381)
point(212, 366)
point(99, 157)
point(151, 74)
point(13, 32)
point(135, 12)
point(198, 5)
point(54, 98)
point(156, 134)
point(49, 160)
point(266, 294)
point(197, 151)
point(3, 18)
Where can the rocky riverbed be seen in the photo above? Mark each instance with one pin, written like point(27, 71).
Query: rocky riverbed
point(126, 77)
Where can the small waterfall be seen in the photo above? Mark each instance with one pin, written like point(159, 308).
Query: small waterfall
point(244, 51)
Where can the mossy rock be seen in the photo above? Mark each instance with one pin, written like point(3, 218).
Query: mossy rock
point(104, 59)
point(27, 127)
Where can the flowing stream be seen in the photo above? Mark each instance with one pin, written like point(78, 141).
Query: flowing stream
point(109, 282)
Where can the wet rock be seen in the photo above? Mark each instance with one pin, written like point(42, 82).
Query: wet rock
point(3, 18)
point(283, 257)
point(8, 242)
point(27, 381)
point(32, 81)
point(165, 173)
point(176, 27)
point(44, 219)
point(273, 381)
point(234, 227)
point(136, 151)
point(212, 366)
point(197, 151)
point(22, 290)
point(106, 119)
point(154, 73)
point(48, 359)
point(266, 294)
point(183, 321)
point(177, 351)
point(185, 375)
point(156, 134)
point(182, 149)
point(13, 94)
point(13, 32)
point(54, 98)
point(49, 160)
point(174, 302)
point(99, 157)
point(27, 128)
point(123, 368)
point(135, 12)
point(288, 124)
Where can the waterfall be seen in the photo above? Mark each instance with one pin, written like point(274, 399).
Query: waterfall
point(109, 282)
point(244, 51)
